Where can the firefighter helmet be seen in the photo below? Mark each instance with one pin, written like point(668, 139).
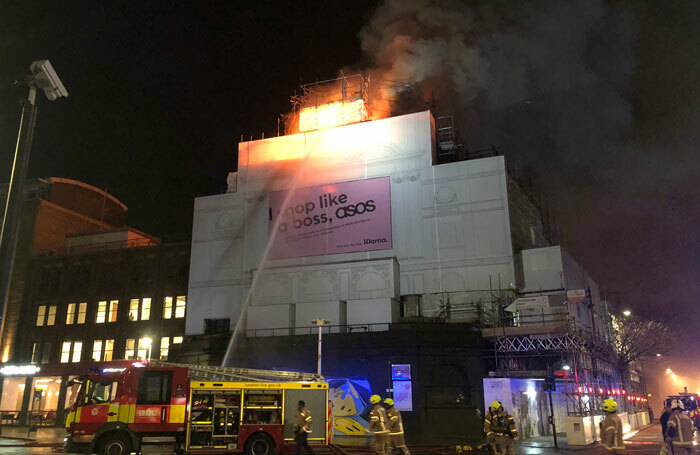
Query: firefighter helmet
point(609, 405)
point(375, 399)
point(677, 404)
point(388, 401)
point(496, 405)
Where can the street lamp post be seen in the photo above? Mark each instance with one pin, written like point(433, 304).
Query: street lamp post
point(320, 323)
point(45, 78)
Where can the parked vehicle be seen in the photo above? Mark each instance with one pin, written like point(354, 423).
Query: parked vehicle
point(198, 409)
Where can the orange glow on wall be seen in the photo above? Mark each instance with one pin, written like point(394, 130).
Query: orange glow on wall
point(332, 114)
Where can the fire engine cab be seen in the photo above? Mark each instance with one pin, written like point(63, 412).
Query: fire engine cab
point(197, 409)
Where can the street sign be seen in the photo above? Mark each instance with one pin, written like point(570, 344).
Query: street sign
point(528, 303)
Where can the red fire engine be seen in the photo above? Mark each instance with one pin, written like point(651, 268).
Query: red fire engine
point(198, 409)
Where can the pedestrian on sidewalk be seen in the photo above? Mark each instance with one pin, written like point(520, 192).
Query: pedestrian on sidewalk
point(680, 429)
point(663, 419)
point(611, 428)
point(500, 430)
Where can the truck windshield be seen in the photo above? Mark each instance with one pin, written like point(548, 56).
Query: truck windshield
point(101, 392)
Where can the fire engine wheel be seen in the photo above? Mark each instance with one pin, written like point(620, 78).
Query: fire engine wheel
point(114, 444)
point(260, 444)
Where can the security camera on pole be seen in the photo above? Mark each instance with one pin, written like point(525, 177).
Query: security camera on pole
point(320, 323)
point(42, 77)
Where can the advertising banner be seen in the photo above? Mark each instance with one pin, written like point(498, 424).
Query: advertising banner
point(342, 217)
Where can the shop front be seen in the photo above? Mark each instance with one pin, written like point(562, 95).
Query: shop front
point(40, 395)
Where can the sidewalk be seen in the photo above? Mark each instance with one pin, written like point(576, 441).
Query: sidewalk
point(41, 436)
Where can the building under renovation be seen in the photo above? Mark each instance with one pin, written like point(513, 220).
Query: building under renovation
point(416, 253)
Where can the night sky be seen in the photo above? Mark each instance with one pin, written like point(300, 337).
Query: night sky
point(598, 102)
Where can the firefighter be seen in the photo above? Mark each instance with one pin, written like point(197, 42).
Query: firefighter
point(611, 428)
point(378, 424)
point(500, 430)
point(302, 428)
point(680, 429)
point(396, 438)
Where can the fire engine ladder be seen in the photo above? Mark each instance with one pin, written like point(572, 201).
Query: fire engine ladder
point(213, 373)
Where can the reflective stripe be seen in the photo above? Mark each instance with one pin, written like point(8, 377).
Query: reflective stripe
point(487, 421)
point(396, 434)
point(308, 418)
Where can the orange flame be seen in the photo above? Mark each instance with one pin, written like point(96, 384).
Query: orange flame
point(332, 114)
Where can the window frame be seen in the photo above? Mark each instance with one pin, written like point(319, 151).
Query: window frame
point(168, 307)
point(71, 315)
point(82, 313)
point(40, 316)
point(113, 310)
point(101, 313)
point(180, 304)
point(105, 357)
point(165, 389)
point(145, 309)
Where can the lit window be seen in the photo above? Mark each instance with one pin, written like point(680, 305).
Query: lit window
point(134, 310)
point(51, 317)
point(101, 312)
point(41, 316)
point(35, 353)
point(177, 340)
point(167, 307)
point(70, 314)
point(109, 350)
point(145, 309)
point(82, 310)
point(77, 350)
point(164, 345)
point(65, 351)
point(96, 350)
point(46, 353)
point(113, 307)
point(180, 306)
point(144, 348)
point(129, 351)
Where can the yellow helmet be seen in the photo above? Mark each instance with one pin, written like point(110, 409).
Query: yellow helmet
point(388, 401)
point(496, 405)
point(609, 405)
point(375, 399)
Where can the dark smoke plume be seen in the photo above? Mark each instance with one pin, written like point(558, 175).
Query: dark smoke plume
point(558, 84)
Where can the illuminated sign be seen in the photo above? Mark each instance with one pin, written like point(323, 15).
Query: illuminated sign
point(19, 370)
point(401, 372)
point(113, 370)
point(327, 219)
point(403, 395)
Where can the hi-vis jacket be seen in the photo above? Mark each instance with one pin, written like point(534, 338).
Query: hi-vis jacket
point(611, 432)
point(378, 420)
point(500, 424)
point(395, 421)
point(680, 430)
point(303, 422)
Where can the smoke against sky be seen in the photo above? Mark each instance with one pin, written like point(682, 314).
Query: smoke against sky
point(561, 86)
point(597, 100)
